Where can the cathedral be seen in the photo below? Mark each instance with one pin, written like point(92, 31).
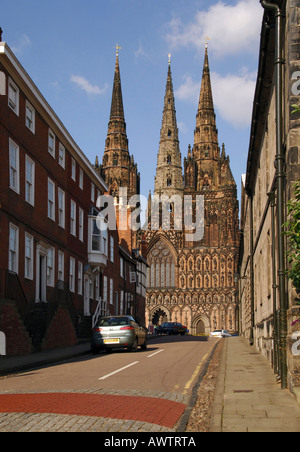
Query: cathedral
point(188, 281)
point(193, 282)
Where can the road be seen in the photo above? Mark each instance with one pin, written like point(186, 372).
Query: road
point(143, 391)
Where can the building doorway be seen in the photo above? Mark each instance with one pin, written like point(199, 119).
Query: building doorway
point(159, 317)
point(41, 274)
point(87, 308)
point(200, 328)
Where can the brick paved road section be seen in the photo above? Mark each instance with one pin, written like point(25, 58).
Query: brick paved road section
point(44, 423)
point(148, 410)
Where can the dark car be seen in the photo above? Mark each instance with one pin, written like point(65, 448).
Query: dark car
point(171, 328)
point(118, 332)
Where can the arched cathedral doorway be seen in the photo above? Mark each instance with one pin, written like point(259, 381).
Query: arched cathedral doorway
point(159, 317)
point(201, 325)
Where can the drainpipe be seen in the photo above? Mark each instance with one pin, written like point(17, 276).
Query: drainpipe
point(280, 178)
point(276, 345)
point(252, 271)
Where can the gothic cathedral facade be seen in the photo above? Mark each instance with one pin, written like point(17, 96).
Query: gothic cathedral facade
point(188, 282)
point(193, 282)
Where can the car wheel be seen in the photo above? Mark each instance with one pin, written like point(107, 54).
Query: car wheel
point(145, 345)
point(134, 348)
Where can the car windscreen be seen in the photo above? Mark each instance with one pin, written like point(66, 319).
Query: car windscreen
point(113, 321)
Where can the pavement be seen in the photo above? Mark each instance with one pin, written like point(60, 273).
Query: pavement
point(14, 364)
point(248, 399)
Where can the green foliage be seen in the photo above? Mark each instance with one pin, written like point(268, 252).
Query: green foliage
point(296, 109)
point(293, 234)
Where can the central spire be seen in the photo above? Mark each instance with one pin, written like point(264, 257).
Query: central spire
point(168, 178)
point(117, 109)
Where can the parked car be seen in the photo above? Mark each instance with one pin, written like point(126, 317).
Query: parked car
point(171, 328)
point(220, 333)
point(118, 332)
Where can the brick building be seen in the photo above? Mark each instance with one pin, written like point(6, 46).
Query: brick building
point(58, 269)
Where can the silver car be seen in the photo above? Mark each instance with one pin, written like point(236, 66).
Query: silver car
point(220, 333)
point(118, 332)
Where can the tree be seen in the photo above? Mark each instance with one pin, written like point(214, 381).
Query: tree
point(293, 235)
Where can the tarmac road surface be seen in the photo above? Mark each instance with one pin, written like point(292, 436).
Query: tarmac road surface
point(144, 391)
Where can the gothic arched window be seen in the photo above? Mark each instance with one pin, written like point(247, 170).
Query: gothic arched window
point(162, 266)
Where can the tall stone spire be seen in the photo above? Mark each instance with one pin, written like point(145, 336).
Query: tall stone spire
point(117, 108)
point(118, 168)
point(168, 180)
point(206, 144)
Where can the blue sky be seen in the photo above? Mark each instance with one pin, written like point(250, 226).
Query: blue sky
point(68, 49)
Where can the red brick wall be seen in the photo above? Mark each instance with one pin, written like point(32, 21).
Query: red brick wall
point(18, 341)
point(61, 332)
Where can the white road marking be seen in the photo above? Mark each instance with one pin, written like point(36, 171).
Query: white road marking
point(119, 370)
point(156, 353)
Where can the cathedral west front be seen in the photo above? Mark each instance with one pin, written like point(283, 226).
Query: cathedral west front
point(190, 280)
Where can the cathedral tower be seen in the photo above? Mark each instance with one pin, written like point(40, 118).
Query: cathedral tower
point(118, 168)
point(206, 144)
point(168, 180)
point(205, 169)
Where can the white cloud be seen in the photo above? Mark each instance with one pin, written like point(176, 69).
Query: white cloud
point(182, 127)
point(233, 95)
point(140, 52)
point(232, 29)
point(86, 86)
point(23, 43)
point(189, 90)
